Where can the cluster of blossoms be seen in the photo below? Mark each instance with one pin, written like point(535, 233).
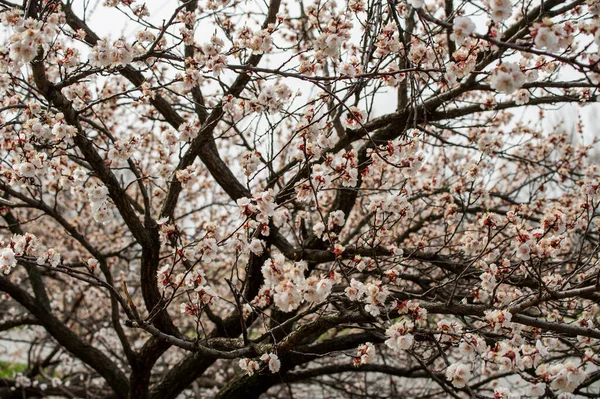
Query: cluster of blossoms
point(251, 366)
point(167, 230)
point(62, 130)
point(488, 278)
point(238, 108)
point(462, 28)
point(507, 78)
point(23, 381)
point(211, 55)
point(201, 295)
point(388, 40)
point(250, 162)
point(538, 243)
point(191, 78)
point(498, 319)
point(373, 293)
point(563, 377)
point(25, 42)
point(51, 256)
point(522, 97)
point(187, 131)
point(392, 75)
point(79, 93)
point(396, 205)
point(184, 176)
point(500, 10)
point(336, 219)
point(25, 169)
point(365, 354)
point(24, 245)
point(118, 54)
point(505, 393)
point(508, 356)
point(248, 366)
point(403, 155)
point(121, 151)
point(473, 242)
point(459, 374)
point(591, 188)
point(449, 331)
point(193, 282)
point(472, 345)
point(317, 289)
point(316, 140)
point(536, 390)
point(416, 312)
point(256, 246)
point(262, 208)
point(286, 283)
point(101, 207)
point(332, 37)
point(26, 161)
point(272, 360)
point(362, 263)
point(345, 168)
point(400, 338)
point(421, 54)
point(321, 178)
point(145, 36)
point(7, 260)
point(487, 142)
point(270, 99)
point(70, 58)
point(353, 118)
point(207, 248)
point(552, 37)
point(351, 68)
point(30, 34)
point(259, 42)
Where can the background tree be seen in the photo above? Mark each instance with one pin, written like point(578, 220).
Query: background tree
point(318, 199)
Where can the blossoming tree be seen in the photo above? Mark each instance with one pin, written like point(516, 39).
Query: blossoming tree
point(298, 199)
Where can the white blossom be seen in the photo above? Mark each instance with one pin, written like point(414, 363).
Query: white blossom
point(248, 366)
point(500, 10)
point(7, 260)
point(536, 390)
point(399, 336)
point(565, 377)
point(257, 246)
point(459, 374)
point(498, 319)
point(462, 28)
point(272, 360)
point(507, 78)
